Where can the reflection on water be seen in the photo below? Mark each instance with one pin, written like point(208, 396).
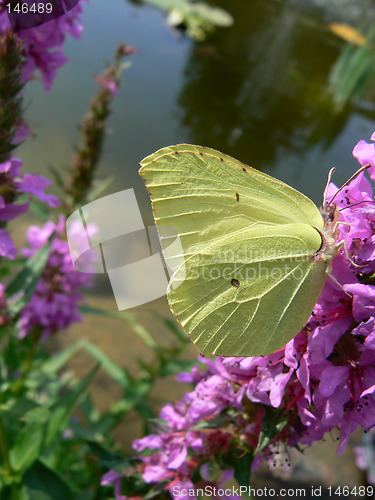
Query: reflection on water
point(266, 98)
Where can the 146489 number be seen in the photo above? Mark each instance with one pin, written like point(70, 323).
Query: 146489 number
point(34, 8)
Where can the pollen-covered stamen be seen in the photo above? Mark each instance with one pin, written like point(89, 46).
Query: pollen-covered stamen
point(355, 387)
point(274, 359)
point(342, 309)
point(293, 402)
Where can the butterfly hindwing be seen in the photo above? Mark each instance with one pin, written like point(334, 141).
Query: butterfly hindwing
point(251, 295)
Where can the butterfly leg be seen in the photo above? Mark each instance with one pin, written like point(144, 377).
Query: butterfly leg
point(335, 227)
point(342, 243)
point(339, 284)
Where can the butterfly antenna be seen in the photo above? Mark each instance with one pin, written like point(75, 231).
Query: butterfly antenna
point(355, 204)
point(360, 170)
point(330, 175)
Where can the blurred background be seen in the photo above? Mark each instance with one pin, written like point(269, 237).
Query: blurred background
point(287, 86)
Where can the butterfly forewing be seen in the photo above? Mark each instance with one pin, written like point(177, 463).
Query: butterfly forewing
point(205, 195)
point(232, 218)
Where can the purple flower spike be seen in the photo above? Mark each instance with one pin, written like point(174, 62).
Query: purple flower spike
point(54, 304)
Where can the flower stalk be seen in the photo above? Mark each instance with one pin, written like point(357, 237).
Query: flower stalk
point(93, 128)
point(11, 63)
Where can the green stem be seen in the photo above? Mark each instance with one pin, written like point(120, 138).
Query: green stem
point(34, 335)
point(4, 449)
point(8, 468)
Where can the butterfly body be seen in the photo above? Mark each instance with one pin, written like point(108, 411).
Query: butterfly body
point(253, 256)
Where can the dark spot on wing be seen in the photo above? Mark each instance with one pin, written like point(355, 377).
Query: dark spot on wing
point(244, 169)
point(221, 159)
point(235, 283)
point(176, 152)
point(237, 197)
point(201, 154)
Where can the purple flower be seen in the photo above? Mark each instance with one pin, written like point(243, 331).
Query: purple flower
point(43, 45)
point(54, 304)
point(7, 247)
point(108, 84)
point(365, 154)
point(112, 477)
point(12, 185)
point(36, 184)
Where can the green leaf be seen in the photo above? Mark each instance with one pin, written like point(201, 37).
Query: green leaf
point(46, 484)
point(273, 422)
point(88, 409)
point(198, 18)
point(95, 431)
point(118, 374)
point(61, 411)
point(180, 334)
point(38, 208)
point(27, 447)
point(138, 329)
point(109, 459)
point(56, 362)
point(57, 176)
point(16, 409)
point(242, 468)
point(11, 414)
point(27, 279)
point(213, 15)
point(145, 411)
point(156, 490)
point(85, 495)
point(167, 4)
point(135, 396)
point(174, 366)
point(40, 414)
